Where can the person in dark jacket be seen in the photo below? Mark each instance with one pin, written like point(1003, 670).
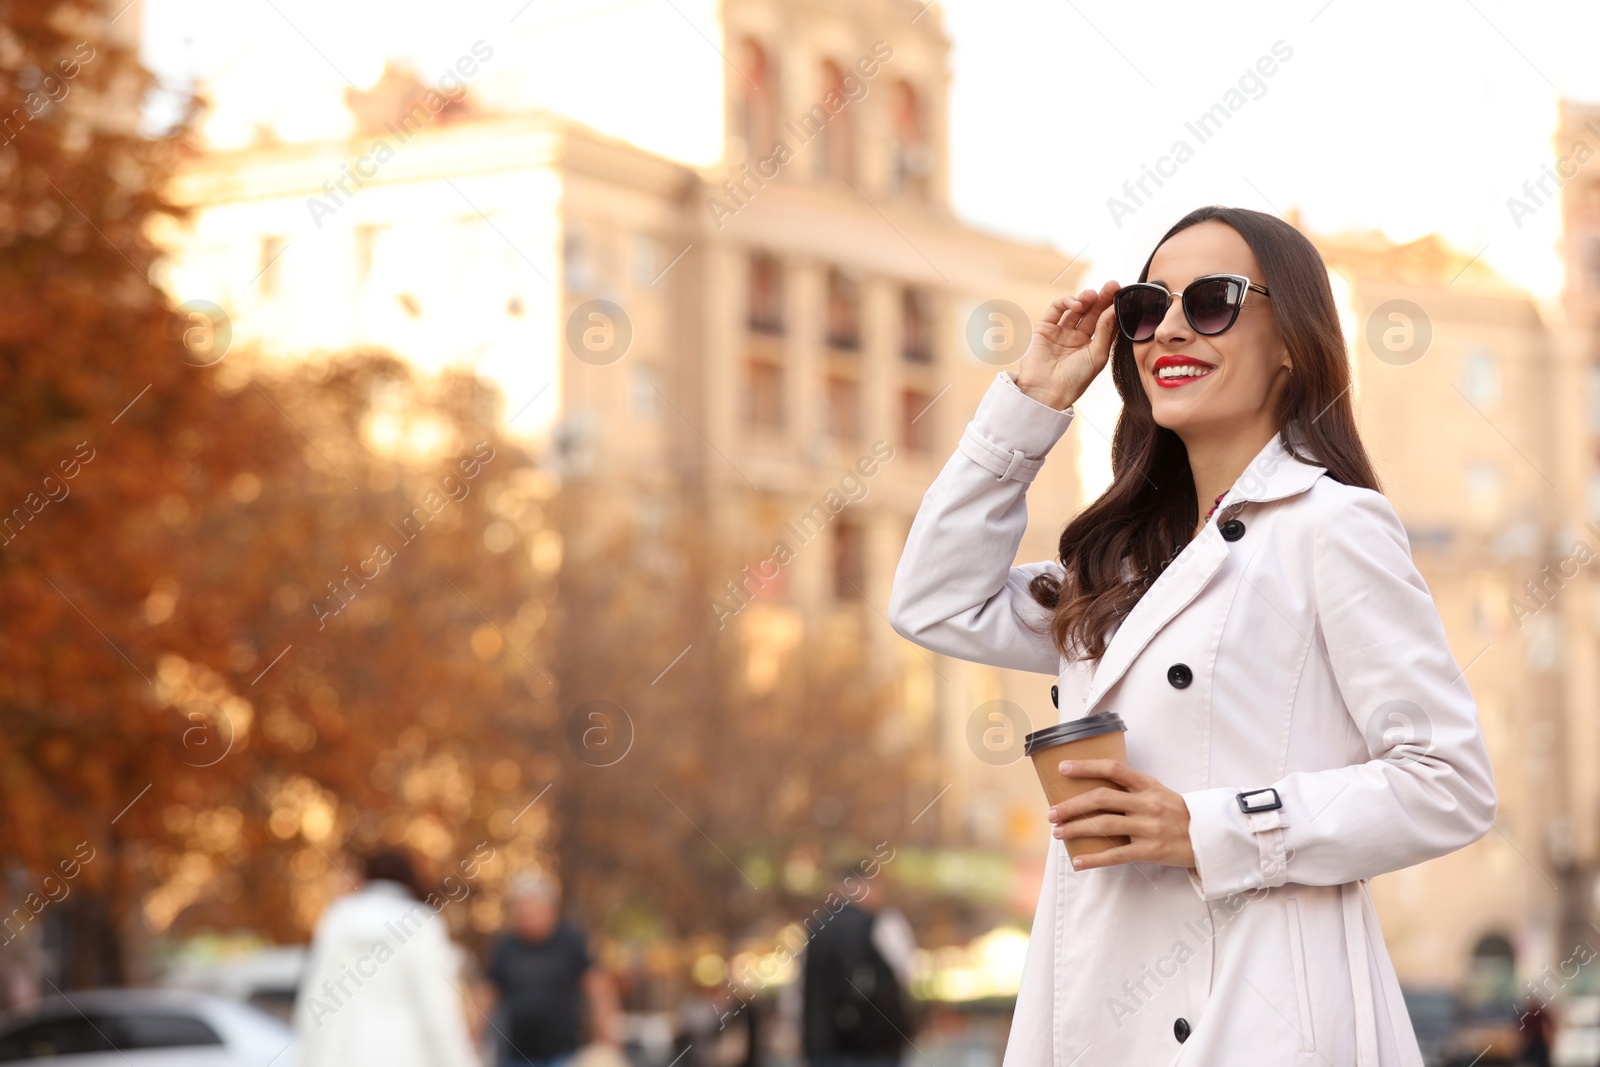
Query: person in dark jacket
point(854, 1008)
point(551, 996)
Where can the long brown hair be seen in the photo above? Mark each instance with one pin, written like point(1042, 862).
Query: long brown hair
point(1147, 515)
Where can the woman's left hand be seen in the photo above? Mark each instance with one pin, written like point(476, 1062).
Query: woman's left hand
point(1154, 817)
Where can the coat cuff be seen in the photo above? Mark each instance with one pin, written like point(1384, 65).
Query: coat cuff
point(1011, 432)
point(1233, 852)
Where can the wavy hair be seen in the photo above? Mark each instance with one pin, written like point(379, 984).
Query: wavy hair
point(1146, 516)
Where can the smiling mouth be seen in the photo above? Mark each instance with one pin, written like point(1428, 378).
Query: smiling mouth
point(1187, 370)
point(1181, 373)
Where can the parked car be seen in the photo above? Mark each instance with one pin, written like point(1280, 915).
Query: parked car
point(266, 978)
point(1577, 1040)
point(145, 1028)
point(1435, 1014)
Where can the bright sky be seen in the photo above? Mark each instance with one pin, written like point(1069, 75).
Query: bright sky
point(1405, 117)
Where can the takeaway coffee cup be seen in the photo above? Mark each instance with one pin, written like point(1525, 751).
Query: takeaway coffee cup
point(1098, 736)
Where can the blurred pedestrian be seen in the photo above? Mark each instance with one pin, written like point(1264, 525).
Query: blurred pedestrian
point(551, 997)
point(1536, 1029)
point(854, 973)
point(379, 986)
point(715, 1025)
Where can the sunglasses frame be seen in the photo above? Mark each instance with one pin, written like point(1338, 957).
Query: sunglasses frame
point(1234, 317)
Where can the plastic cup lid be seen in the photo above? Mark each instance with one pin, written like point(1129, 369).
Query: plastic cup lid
point(1102, 722)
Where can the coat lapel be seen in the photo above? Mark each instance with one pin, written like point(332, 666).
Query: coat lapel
point(1272, 475)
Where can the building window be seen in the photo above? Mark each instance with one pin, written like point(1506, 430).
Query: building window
point(916, 325)
point(578, 263)
point(1594, 398)
point(272, 249)
point(1483, 491)
point(915, 422)
point(844, 409)
point(849, 564)
point(836, 147)
point(912, 162)
point(844, 310)
point(756, 120)
point(1480, 378)
point(645, 400)
point(763, 394)
point(1591, 262)
point(366, 239)
point(649, 531)
point(647, 265)
point(765, 297)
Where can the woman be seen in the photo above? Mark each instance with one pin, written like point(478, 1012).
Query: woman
point(381, 985)
point(1243, 596)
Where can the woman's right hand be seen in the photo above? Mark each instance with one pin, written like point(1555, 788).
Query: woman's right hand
point(1070, 345)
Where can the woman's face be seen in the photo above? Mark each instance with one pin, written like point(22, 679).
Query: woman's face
point(1249, 360)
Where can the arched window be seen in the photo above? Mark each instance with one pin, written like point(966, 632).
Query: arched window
point(849, 559)
point(1480, 378)
point(1491, 972)
point(844, 310)
point(837, 144)
point(912, 162)
point(765, 294)
point(757, 119)
point(916, 325)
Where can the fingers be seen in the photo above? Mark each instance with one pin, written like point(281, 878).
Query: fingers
point(1109, 769)
point(1102, 798)
point(1060, 308)
point(1104, 824)
point(1105, 334)
point(1070, 312)
point(1111, 857)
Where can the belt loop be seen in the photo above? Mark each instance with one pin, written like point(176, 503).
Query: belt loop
point(1016, 461)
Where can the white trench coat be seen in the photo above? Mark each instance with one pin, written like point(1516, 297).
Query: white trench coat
point(382, 986)
point(1293, 645)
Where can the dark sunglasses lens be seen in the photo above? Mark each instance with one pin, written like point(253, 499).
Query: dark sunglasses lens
point(1140, 311)
point(1211, 303)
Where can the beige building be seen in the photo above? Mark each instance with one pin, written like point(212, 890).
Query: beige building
point(769, 328)
point(1454, 371)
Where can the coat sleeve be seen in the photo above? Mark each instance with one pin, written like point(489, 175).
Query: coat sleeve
point(955, 591)
point(1427, 788)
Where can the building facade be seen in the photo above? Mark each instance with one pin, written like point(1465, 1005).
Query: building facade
point(758, 334)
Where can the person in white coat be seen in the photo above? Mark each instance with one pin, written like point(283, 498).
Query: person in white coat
point(381, 985)
point(1243, 596)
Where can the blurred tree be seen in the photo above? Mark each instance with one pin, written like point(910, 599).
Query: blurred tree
point(726, 767)
point(258, 621)
point(251, 620)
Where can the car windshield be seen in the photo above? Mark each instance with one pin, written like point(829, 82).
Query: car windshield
point(68, 1035)
point(64, 1036)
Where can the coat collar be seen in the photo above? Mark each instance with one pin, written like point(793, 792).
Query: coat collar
point(1273, 474)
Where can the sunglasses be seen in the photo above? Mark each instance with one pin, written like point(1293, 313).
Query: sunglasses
point(1210, 303)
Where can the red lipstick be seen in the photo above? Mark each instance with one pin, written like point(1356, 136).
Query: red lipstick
point(1201, 369)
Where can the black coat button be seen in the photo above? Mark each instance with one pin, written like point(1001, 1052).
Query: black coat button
point(1232, 530)
point(1180, 1030)
point(1180, 675)
point(1055, 695)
